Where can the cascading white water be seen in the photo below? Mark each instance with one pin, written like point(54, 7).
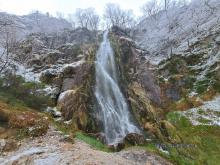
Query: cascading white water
point(112, 106)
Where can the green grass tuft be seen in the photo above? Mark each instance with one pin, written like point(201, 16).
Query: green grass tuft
point(96, 144)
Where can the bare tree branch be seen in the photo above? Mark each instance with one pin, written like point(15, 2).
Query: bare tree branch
point(87, 18)
point(115, 16)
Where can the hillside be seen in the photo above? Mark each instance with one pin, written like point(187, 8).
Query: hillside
point(34, 23)
point(146, 95)
point(177, 29)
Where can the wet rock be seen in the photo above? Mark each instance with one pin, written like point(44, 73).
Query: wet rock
point(54, 112)
point(150, 86)
point(36, 68)
point(151, 129)
point(117, 147)
point(141, 105)
point(135, 139)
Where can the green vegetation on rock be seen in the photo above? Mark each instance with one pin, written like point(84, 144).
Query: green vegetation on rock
point(22, 120)
point(15, 91)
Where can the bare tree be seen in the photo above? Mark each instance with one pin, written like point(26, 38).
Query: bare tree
point(7, 41)
point(60, 15)
point(174, 3)
point(115, 16)
point(71, 19)
point(87, 18)
point(210, 7)
point(35, 16)
point(152, 8)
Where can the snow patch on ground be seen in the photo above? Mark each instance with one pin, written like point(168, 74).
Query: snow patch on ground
point(27, 74)
point(207, 114)
point(58, 68)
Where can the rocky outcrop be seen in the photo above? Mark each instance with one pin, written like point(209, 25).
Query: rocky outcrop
point(140, 86)
point(64, 61)
point(135, 139)
point(77, 103)
point(193, 74)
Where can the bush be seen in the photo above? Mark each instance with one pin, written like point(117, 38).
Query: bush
point(14, 90)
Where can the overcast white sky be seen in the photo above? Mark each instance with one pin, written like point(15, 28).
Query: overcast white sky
point(22, 7)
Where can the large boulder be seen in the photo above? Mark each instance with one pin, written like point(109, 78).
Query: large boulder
point(135, 139)
point(117, 147)
point(76, 102)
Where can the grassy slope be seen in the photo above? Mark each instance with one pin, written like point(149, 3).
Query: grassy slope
point(204, 148)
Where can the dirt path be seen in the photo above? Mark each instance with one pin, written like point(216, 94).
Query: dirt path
point(50, 150)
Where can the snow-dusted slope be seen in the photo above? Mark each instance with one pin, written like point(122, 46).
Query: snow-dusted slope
point(207, 114)
point(35, 22)
point(178, 27)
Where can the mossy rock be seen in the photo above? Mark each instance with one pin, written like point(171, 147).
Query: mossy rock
point(140, 104)
point(169, 131)
point(78, 103)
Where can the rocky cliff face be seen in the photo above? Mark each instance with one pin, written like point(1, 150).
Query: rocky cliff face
point(141, 87)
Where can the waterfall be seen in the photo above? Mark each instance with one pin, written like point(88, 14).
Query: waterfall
point(112, 106)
